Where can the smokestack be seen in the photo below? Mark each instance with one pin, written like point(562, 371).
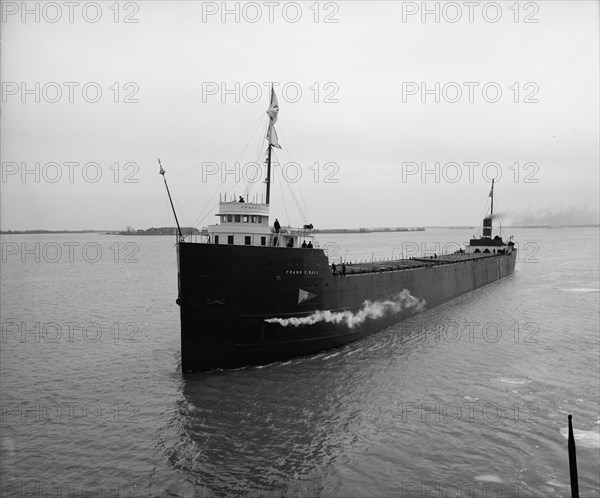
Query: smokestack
point(487, 227)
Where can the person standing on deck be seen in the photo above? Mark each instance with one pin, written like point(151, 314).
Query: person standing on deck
point(276, 225)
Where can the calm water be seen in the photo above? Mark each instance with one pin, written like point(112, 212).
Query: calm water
point(467, 399)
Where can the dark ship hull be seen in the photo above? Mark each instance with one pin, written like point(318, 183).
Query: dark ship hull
point(243, 305)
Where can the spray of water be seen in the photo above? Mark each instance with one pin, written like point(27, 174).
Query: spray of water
point(399, 302)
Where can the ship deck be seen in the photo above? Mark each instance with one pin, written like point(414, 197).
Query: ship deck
point(408, 264)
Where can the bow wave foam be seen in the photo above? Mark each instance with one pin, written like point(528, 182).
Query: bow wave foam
point(376, 309)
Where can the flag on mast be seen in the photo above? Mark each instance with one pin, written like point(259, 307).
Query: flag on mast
point(272, 113)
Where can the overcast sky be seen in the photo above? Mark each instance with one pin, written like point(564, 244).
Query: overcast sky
point(509, 89)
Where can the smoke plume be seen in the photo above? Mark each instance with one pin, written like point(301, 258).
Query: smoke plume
point(399, 302)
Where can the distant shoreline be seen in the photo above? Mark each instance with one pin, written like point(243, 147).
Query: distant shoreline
point(323, 230)
point(24, 232)
point(368, 230)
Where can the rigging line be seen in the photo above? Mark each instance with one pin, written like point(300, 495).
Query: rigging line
point(231, 188)
point(237, 161)
point(184, 216)
point(210, 203)
point(295, 199)
point(201, 220)
point(259, 162)
point(287, 148)
point(499, 215)
point(209, 208)
point(297, 203)
point(220, 150)
point(283, 179)
point(261, 159)
point(260, 156)
point(301, 211)
point(250, 139)
point(216, 205)
point(299, 189)
point(285, 206)
point(304, 204)
point(213, 207)
point(482, 215)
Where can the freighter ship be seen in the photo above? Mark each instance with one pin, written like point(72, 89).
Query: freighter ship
point(252, 292)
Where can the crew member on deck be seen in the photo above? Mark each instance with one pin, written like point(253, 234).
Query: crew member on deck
point(333, 268)
point(310, 246)
point(276, 225)
point(304, 244)
point(241, 199)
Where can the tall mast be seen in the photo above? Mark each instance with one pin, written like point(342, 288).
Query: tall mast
point(269, 174)
point(271, 137)
point(492, 196)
